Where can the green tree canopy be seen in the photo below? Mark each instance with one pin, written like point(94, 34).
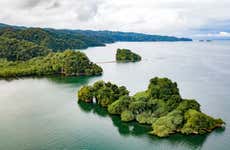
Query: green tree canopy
point(160, 106)
point(126, 55)
point(13, 49)
point(67, 63)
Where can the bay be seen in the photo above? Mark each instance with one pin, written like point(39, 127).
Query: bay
point(43, 113)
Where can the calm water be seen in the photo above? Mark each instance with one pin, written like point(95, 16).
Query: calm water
point(43, 114)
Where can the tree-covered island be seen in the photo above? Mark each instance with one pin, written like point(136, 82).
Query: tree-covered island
point(160, 106)
point(126, 55)
point(67, 63)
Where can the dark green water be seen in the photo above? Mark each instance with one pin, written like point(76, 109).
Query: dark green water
point(43, 114)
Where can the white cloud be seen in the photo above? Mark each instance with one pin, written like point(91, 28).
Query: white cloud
point(149, 16)
point(220, 34)
point(224, 34)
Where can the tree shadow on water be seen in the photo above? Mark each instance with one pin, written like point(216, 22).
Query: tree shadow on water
point(93, 108)
point(72, 81)
point(125, 129)
point(129, 128)
point(139, 130)
point(188, 141)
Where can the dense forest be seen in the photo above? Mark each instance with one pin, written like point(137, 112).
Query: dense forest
point(126, 55)
point(51, 39)
point(67, 63)
point(59, 40)
point(160, 106)
point(13, 49)
point(130, 36)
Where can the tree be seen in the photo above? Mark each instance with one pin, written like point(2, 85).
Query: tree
point(120, 105)
point(127, 116)
point(162, 88)
point(86, 94)
point(107, 93)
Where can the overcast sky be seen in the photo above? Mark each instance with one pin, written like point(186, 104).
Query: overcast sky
point(171, 17)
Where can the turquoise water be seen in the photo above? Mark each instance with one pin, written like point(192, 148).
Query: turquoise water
point(43, 114)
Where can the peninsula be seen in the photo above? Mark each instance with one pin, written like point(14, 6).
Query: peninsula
point(67, 63)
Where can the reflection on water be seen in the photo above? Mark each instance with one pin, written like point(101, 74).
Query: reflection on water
point(132, 128)
point(136, 129)
point(70, 80)
point(81, 80)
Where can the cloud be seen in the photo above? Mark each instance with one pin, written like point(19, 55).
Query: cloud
point(87, 10)
point(55, 5)
point(220, 34)
point(174, 17)
point(31, 3)
point(215, 26)
point(224, 34)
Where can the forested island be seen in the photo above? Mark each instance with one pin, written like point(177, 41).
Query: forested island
point(160, 106)
point(67, 63)
point(126, 55)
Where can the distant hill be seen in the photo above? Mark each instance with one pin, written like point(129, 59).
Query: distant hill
point(52, 39)
point(77, 39)
point(130, 36)
point(2, 25)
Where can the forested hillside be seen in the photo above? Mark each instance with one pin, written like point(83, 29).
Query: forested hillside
point(13, 49)
point(59, 40)
point(54, 40)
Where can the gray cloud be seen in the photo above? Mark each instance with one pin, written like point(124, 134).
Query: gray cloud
point(87, 11)
point(56, 4)
point(31, 3)
point(175, 17)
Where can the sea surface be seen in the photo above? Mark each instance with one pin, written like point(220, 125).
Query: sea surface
point(43, 113)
